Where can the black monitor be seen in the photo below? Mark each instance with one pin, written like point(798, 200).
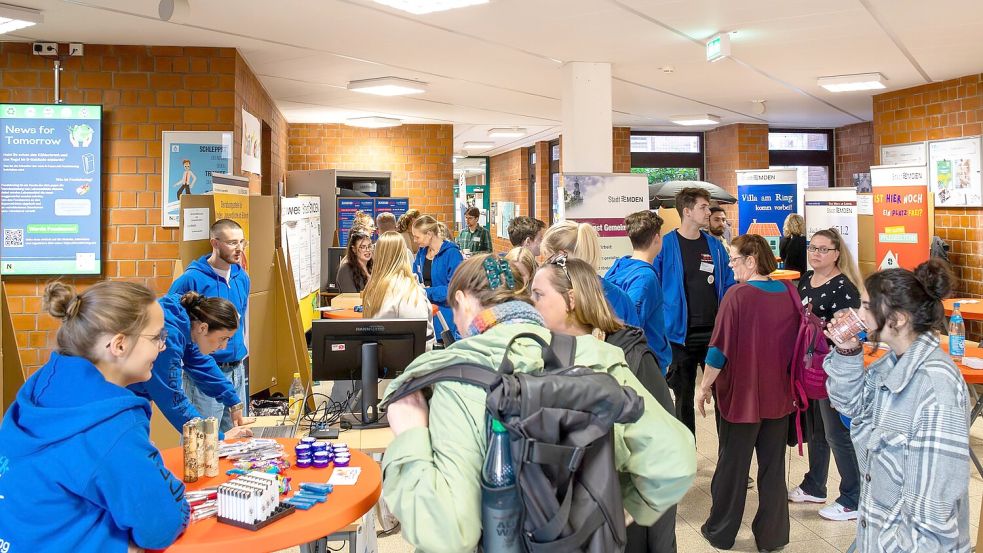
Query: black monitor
point(363, 350)
point(335, 256)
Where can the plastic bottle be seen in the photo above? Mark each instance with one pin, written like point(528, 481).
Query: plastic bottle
point(957, 335)
point(296, 397)
point(500, 505)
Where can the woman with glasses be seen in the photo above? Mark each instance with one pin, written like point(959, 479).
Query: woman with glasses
point(746, 371)
point(393, 291)
point(792, 246)
point(77, 469)
point(195, 326)
point(356, 266)
point(432, 468)
point(436, 260)
point(833, 284)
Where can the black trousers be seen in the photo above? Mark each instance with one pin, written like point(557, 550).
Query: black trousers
point(658, 538)
point(682, 373)
point(728, 490)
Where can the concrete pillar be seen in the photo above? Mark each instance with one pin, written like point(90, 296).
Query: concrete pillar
point(587, 143)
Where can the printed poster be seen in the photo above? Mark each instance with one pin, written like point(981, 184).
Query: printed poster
point(765, 198)
point(252, 133)
point(189, 161)
point(300, 228)
point(901, 209)
point(833, 208)
point(954, 172)
point(346, 215)
point(604, 201)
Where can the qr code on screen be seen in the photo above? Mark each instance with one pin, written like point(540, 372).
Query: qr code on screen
point(13, 238)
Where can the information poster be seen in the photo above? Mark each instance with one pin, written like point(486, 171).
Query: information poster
point(901, 209)
point(833, 208)
point(346, 215)
point(251, 148)
point(50, 189)
point(954, 172)
point(765, 198)
point(904, 154)
point(188, 161)
point(300, 228)
point(396, 206)
point(604, 201)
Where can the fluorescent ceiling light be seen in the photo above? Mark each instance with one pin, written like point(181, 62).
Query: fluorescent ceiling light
point(420, 7)
point(514, 132)
point(848, 83)
point(13, 18)
point(388, 86)
point(373, 122)
point(698, 119)
point(478, 145)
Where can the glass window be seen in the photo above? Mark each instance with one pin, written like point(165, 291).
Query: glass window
point(814, 141)
point(688, 144)
point(666, 174)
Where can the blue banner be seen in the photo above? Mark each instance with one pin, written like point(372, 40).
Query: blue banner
point(346, 215)
point(762, 209)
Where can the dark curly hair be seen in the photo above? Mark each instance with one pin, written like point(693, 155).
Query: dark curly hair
point(917, 293)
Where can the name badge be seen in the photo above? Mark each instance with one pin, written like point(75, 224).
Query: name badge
point(706, 267)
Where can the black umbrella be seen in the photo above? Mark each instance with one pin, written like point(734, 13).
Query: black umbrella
point(663, 194)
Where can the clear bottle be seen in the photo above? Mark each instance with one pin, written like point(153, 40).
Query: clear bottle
point(957, 335)
point(296, 397)
point(500, 504)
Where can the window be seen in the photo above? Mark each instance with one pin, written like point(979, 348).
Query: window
point(667, 156)
point(795, 140)
point(531, 152)
point(554, 163)
point(809, 151)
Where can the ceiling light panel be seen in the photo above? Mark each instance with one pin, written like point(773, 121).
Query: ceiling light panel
point(850, 83)
point(478, 145)
point(420, 7)
point(693, 120)
point(513, 132)
point(388, 86)
point(13, 18)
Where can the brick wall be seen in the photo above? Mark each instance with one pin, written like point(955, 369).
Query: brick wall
point(543, 182)
point(948, 109)
point(144, 91)
point(621, 141)
point(730, 148)
point(251, 96)
point(509, 182)
point(854, 145)
point(419, 157)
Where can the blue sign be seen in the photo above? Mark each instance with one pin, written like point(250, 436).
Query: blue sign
point(190, 169)
point(346, 215)
point(50, 189)
point(762, 209)
point(396, 206)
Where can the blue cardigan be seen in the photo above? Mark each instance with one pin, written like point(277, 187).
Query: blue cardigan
point(441, 271)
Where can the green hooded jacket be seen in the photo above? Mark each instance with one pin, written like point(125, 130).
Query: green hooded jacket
point(431, 476)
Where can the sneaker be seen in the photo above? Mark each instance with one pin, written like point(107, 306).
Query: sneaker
point(799, 496)
point(835, 511)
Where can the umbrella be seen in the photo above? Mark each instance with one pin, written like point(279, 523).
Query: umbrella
point(663, 194)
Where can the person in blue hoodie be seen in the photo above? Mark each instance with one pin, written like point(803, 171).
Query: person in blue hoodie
point(635, 274)
point(581, 241)
point(435, 263)
point(77, 469)
point(694, 271)
point(196, 326)
point(221, 275)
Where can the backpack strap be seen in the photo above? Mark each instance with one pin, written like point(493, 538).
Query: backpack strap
point(550, 360)
point(565, 348)
point(475, 375)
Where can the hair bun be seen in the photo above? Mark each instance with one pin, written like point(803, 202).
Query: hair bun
point(60, 300)
point(937, 278)
point(191, 300)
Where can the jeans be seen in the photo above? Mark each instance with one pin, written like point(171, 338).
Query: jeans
point(830, 434)
point(208, 407)
point(682, 373)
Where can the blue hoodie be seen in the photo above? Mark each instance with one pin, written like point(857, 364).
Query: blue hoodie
point(77, 469)
point(621, 304)
point(637, 278)
point(669, 269)
point(443, 267)
point(201, 278)
point(165, 387)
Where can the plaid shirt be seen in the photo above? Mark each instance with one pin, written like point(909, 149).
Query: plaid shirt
point(478, 241)
point(910, 429)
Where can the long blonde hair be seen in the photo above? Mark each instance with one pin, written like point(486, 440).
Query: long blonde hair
point(391, 273)
point(591, 309)
point(579, 240)
point(844, 263)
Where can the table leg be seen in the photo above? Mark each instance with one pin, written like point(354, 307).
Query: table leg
point(973, 414)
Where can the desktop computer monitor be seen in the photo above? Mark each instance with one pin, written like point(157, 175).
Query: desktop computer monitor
point(365, 350)
point(335, 256)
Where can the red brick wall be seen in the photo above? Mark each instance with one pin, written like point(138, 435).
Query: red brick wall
point(621, 161)
point(543, 182)
point(854, 146)
point(509, 182)
point(730, 148)
point(419, 157)
point(948, 109)
point(251, 96)
point(144, 91)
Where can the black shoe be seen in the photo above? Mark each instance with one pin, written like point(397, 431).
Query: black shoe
point(706, 536)
point(760, 550)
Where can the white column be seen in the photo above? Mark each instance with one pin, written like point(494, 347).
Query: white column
point(587, 127)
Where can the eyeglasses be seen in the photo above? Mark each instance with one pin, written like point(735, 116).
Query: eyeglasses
point(160, 338)
point(364, 248)
point(735, 258)
point(822, 250)
point(560, 260)
point(235, 244)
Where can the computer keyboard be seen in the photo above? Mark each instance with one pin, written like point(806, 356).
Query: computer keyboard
point(285, 431)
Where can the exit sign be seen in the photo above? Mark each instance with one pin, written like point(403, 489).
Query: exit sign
point(718, 47)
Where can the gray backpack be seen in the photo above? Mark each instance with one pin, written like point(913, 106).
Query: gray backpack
point(560, 423)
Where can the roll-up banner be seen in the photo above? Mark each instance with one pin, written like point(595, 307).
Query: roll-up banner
point(765, 197)
point(833, 208)
point(901, 211)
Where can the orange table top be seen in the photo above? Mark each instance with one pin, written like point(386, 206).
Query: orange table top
point(970, 311)
point(341, 314)
point(345, 505)
point(785, 274)
point(971, 376)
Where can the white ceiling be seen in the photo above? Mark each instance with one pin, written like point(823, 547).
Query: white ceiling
point(498, 65)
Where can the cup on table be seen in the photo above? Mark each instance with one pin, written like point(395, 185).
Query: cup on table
point(847, 324)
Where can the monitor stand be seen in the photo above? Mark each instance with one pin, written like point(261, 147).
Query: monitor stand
point(369, 405)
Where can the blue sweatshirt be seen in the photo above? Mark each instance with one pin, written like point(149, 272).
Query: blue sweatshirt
point(165, 387)
point(201, 278)
point(637, 278)
point(621, 304)
point(669, 270)
point(442, 269)
point(77, 469)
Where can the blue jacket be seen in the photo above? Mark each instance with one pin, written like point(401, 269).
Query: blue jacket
point(165, 387)
point(443, 267)
point(669, 270)
point(77, 469)
point(201, 278)
point(621, 304)
point(637, 278)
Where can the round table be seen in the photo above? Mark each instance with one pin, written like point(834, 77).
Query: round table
point(341, 314)
point(970, 311)
point(970, 375)
point(345, 505)
point(785, 274)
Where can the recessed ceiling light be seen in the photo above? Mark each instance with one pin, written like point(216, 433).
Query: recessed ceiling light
point(13, 18)
point(420, 7)
point(388, 86)
point(478, 145)
point(373, 122)
point(849, 83)
point(698, 119)
point(514, 132)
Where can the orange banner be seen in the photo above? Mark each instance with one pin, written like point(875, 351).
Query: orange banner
point(901, 226)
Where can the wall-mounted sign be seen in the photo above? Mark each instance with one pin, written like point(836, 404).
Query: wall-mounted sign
point(954, 172)
point(718, 47)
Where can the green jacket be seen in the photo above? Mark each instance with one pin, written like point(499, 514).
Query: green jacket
point(478, 241)
point(431, 476)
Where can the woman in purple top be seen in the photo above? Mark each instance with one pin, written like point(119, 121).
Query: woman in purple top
point(746, 371)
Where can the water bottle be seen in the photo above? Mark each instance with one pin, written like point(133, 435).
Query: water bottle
point(296, 397)
point(500, 506)
point(957, 335)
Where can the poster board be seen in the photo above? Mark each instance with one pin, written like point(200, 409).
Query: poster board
point(300, 237)
point(252, 149)
point(347, 207)
point(13, 370)
point(905, 154)
point(954, 172)
point(188, 160)
point(902, 233)
point(765, 197)
point(833, 208)
point(604, 200)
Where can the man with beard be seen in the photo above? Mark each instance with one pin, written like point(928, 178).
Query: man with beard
point(718, 226)
point(220, 275)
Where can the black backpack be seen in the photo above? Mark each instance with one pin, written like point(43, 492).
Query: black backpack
point(560, 423)
point(643, 363)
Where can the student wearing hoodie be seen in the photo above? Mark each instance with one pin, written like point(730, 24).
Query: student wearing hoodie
point(221, 275)
point(635, 274)
point(195, 327)
point(77, 469)
point(435, 263)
